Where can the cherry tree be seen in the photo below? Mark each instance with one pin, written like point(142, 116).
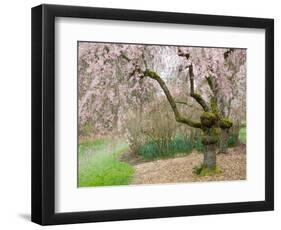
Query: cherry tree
point(105, 83)
point(204, 64)
point(114, 78)
point(225, 71)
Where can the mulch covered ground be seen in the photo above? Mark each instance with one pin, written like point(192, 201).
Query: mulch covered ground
point(179, 169)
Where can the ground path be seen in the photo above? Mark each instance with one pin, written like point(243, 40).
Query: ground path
point(179, 169)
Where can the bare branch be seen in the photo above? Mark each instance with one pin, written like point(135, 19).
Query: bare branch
point(183, 54)
point(125, 57)
point(212, 85)
point(228, 52)
point(191, 79)
point(144, 61)
point(196, 96)
point(214, 99)
point(181, 102)
point(178, 116)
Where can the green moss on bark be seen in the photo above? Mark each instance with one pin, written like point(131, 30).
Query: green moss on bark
point(225, 123)
point(209, 140)
point(208, 119)
point(205, 171)
point(214, 105)
point(151, 74)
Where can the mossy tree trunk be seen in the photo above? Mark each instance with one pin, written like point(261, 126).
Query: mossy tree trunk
point(211, 120)
point(208, 120)
point(209, 156)
point(225, 125)
point(223, 142)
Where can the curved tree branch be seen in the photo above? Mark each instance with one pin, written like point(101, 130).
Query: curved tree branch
point(196, 96)
point(212, 85)
point(178, 116)
point(181, 102)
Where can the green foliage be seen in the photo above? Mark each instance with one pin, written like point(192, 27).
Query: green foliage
point(99, 164)
point(184, 145)
point(233, 140)
point(198, 144)
point(243, 135)
point(157, 126)
point(201, 170)
point(236, 138)
point(176, 146)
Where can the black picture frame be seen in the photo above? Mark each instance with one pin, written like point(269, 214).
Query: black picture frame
point(43, 114)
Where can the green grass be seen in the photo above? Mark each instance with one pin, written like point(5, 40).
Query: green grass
point(92, 145)
point(99, 164)
point(243, 135)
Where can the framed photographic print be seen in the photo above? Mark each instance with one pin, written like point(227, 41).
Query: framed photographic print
point(142, 114)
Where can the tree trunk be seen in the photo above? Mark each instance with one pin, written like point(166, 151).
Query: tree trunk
point(223, 142)
point(209, 156)
point(208, 119)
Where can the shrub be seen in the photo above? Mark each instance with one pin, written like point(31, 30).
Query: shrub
point(153, 149)
point(181, 145)
point(233, 139)
point(149, 150)
point(135, 137)
point(154, 126)
point(198, 145)
point(191, 135)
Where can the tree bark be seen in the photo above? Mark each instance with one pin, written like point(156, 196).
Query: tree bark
point(196, 96)
point(209, 156)
point(223, 142)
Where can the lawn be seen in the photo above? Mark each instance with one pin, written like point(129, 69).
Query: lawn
point(242, 135)
point(99, 164)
